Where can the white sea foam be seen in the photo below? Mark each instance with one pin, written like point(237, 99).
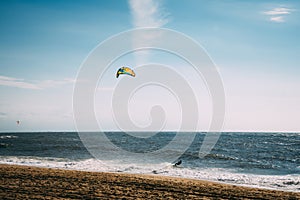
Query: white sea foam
point(8, 136)
point(279, 182)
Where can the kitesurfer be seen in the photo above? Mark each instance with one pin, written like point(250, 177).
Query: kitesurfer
point(178, 163)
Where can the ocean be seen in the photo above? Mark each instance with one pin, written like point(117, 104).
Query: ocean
point(263, 160)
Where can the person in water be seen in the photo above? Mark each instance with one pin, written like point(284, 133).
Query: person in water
point(178, 163)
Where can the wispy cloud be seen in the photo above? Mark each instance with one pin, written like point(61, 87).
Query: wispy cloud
point(19, 83)
point(277, 19)
point(278, 14)
point(55, 83)
point(148, 13)
point(278, 11)
point(34, 85)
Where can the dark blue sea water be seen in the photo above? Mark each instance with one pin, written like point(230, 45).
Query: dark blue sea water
point(268, 160)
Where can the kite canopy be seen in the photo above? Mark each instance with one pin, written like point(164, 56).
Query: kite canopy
point(125, 70)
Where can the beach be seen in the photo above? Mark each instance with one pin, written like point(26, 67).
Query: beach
point(27, 182)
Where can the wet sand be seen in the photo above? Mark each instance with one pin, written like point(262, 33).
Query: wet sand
point(23, 182)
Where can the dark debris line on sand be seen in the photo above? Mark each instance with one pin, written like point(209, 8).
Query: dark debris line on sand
point(18, 182)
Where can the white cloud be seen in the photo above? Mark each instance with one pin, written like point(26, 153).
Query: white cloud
point(277, 19)
point(55, 83)
point(278, 14)
point(34, 85)
point(278, 11)
point(19, 83)
point(147, 13)
point(150, 14)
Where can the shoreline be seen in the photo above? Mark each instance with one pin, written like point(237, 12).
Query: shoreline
point(19, 182)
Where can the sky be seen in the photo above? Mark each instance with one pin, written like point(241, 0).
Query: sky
point(254, 44)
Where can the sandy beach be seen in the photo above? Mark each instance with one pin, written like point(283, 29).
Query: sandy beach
point(24, 182)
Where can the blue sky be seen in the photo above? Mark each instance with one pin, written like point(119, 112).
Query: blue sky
point(255, 45)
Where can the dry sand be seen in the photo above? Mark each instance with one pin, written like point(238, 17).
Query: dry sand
point(22, 182)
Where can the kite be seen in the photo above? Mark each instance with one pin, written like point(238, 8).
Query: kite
point(18, 122)
point(125, 70)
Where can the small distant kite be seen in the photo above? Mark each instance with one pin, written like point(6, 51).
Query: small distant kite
point(125, 70)
point(18, 122)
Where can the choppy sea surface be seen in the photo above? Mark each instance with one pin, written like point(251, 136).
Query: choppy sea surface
point(263, 160)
